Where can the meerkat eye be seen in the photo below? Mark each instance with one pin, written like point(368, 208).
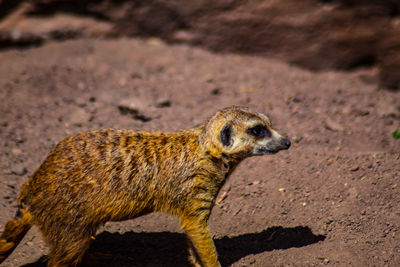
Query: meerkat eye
point(259, 131)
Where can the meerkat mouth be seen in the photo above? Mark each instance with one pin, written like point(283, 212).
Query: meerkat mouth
point(266, 151)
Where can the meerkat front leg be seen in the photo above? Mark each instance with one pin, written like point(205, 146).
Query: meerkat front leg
point(193, 257)
point(203, 248)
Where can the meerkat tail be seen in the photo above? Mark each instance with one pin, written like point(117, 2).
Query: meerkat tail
point(14, 231)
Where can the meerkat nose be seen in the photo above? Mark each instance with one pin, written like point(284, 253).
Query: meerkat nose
point(285, 143)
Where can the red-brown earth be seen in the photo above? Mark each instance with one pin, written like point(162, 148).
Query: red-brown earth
point(332, 199)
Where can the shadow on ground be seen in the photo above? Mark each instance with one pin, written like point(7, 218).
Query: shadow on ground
point(169, 249)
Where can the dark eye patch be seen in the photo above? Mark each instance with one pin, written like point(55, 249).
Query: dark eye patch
point(226, 135)
point(259, 131)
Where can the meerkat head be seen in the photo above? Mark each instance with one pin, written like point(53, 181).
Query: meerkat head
point(237, 130)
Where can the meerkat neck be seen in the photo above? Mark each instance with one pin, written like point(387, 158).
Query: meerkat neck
point(219, 166)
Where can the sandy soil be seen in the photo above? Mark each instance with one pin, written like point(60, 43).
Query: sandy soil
point(332, 199)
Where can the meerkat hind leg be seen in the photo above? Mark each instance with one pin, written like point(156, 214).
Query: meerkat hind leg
point(69, 251)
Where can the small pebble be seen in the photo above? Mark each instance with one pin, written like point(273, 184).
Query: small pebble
point(333, 125)
point(16, 151)
point(223, 196)
point(216, 91)
point(18, 169)
point(163, 103)
point(79, 116)
point(122, 82)
point(355, 168)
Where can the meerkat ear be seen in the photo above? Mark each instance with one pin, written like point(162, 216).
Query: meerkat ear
point(226, 135)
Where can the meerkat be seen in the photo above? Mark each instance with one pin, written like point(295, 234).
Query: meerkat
point(94, 177)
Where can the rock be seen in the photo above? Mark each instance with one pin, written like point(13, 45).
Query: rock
point(135, 113)
point(79, 116)
point(60, 26)
point(216, 91)
point(355, 168)
point(184, 36)
point(16, 151)
point(18, 169)
point(333, 125)
point(385, 110)
point(163, 103)
point(353, 193)
point(122, 82)
point(80, 102)
point(81, 85)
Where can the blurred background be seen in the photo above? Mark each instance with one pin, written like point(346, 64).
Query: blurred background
point(314, 34)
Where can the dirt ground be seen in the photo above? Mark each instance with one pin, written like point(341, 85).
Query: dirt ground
point(332, 199)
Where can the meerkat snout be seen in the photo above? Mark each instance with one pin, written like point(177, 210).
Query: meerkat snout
point(272, 143)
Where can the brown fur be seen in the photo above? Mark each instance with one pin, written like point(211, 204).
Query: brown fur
point(113, 175)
